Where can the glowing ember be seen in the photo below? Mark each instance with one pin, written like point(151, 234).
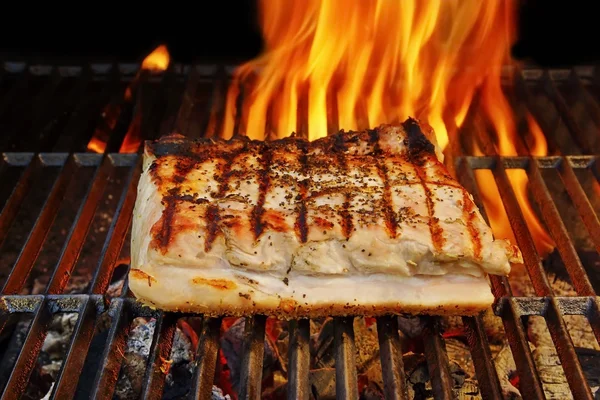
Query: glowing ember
point(156, 61)
point(356, 64)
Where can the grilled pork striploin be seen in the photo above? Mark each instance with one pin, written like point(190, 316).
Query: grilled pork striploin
point(362, 223)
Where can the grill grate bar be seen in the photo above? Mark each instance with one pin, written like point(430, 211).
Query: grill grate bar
point(239, 127)
point(49, 127)
point(160, 351)
point(252, 359)
point(35, 338)
point(524, 93)
point(127, 110)
point(519, 227)
point(66, 382)
point(299, 360)
point(108, 374)
point(13, 202)
point(218, 104)
point(207, 353)
point(346, 385)
point(392, 365)
point(566, 115)
point(26, 113)
point(591, 104)
point(85, 117)
point(437, 360)
point(160, 106)
point(531, 386)
point(581, 201)
point(16, 93)
point(188, 100)
point(118, 230)
point(20, 271)
point(566, 352)
point(482, 358)
point(79, 230)
point(558, 231)
point(556, 325)
point(530, 383)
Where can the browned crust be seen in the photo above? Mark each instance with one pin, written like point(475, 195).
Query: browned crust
point(241, 296)
point(289, 309)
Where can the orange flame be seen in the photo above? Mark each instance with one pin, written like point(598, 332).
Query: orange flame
point(356, 64)
point(157, 61)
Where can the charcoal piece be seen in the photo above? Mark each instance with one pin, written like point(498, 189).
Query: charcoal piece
point(39, 384)
point(322, 350)
point(322, 383)
point(411, 326)
point(178, 382)
point(372, 391)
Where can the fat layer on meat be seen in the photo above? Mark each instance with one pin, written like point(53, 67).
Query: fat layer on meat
point(276, 227)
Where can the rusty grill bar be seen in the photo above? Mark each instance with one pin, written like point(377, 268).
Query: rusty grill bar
point(191, 100)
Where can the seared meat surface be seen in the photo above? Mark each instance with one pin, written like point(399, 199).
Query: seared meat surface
point(358, 222)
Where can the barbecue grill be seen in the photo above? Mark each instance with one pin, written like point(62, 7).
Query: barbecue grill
point(49, 114)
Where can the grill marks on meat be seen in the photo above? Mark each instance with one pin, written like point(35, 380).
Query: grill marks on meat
point(264, 181)
point(162, 236)
point(386, 205)
point(300, 225)
point(469, 215)
point(326, 188)
point(437, 233)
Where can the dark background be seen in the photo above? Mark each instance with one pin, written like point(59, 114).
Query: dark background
point(551, 33)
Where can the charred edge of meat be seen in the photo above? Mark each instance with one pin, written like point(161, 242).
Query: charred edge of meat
point(264, 182)
point(374, 140)
point(417, 143)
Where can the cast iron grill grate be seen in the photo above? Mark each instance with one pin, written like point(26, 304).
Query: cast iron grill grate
point(43, 131)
